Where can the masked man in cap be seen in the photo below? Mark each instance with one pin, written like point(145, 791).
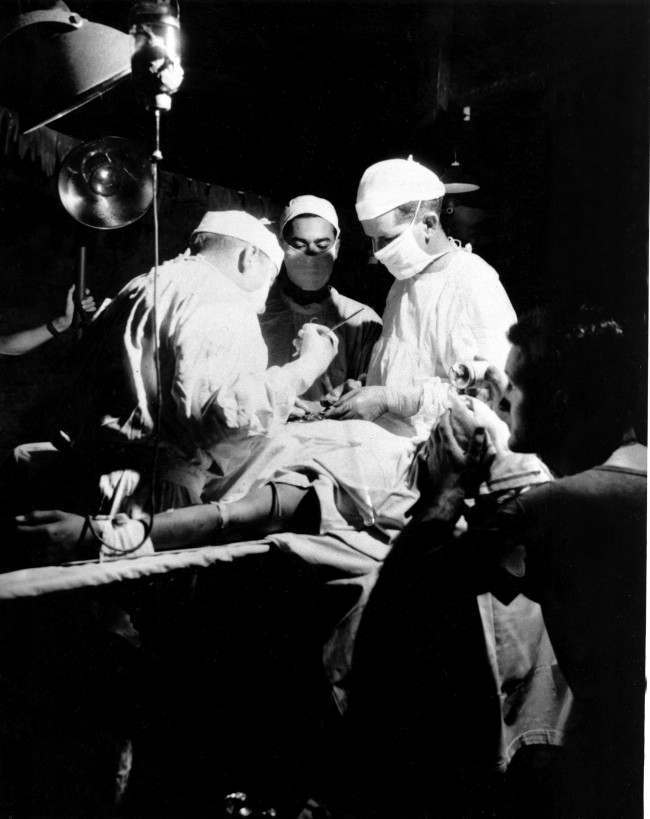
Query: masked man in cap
point(310, 237)
point(446, 304)
point(211, 393)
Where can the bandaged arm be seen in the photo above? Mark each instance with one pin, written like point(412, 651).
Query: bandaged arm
point(119, 536)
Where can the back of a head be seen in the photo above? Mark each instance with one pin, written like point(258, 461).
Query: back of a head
point(583, 357)
point(229, 232)
point(214, 244)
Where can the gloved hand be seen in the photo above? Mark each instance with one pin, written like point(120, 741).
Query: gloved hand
point(349, 385)
point(366, 403)
point(317, 342)
point(316, 346)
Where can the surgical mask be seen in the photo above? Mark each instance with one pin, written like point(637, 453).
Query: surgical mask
point(258, 297)
point(299, 264)
point(403, 257)
point(255, 287)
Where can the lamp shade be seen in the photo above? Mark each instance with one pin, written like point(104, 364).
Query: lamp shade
point(106, 184)
point(54, 61)
point(457, 180)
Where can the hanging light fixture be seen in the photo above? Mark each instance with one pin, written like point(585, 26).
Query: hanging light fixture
point(106, 183)
point(53, 61)
point(456, 178)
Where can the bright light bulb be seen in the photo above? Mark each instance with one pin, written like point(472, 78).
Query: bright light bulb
point(102, 174)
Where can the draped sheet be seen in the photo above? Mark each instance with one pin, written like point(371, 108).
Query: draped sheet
point(84, 574)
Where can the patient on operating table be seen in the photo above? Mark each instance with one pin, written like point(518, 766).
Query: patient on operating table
point(351, 480)
point(337, 494)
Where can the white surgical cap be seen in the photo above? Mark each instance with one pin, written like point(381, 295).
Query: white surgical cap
point(310, 206)
point(241, 225)
point(393, 182)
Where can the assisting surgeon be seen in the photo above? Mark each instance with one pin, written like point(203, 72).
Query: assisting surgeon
point(311, 237)
point(446, 305)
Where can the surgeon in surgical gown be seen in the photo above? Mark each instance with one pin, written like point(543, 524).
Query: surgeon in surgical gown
point(310, 238)
point(446, 305)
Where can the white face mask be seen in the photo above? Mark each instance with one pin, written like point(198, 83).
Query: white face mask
point(403, 257)
point(258, 298)
point(256, 286)
point(309, 272)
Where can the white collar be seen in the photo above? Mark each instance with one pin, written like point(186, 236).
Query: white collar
point(629, 456)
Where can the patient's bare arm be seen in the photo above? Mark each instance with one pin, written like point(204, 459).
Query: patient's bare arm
point(51, 537)
point(181, 528)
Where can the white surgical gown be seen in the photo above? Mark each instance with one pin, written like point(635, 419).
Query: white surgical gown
point(455, 310)
point(217, 393)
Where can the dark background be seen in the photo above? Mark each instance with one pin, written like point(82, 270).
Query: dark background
point(283, 98)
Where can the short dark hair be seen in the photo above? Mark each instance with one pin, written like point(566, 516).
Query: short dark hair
point(407, 211)
point(585, 354)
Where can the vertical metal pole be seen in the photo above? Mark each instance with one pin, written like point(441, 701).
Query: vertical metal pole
point(81, 287)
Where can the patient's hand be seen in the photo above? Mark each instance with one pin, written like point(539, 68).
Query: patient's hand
point(491, 388)
point(455, 471)
point(469, 413)
point(47, 538)
point(467, 464)
point(457, 456)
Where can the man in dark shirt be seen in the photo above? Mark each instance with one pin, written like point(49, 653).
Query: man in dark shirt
point(583, 537)
point(576, 545)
